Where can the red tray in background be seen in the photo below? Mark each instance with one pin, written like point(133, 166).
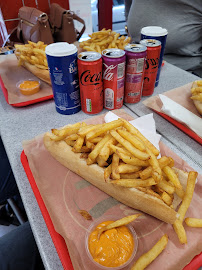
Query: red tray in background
point(25, 103)
point(185, 129)
point(58, 240)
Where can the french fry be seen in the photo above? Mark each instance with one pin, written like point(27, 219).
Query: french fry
point(188, 195)
point(84, 130)
point(129, 175)
point(132, 139)
point(193, 222)
point(166, 186)
point(72, 137)
point(78, 144)
point(107, 173)
point(132, 160)
point(105, 151)
point(134, 151)
point(93, 155)
point(118, 223)
point(90, 145)
point(96, 140)
point(104, 128)
point(66, 131)
point(127, 168)
point(180, 231)
point(120, 149)
point(168, 199)
point(149, 191)
point(136, 132)
point(151, 255)
point(133, 183)
point(156, 173)
point(172, 176)
point(101, 162)
point(115, 164)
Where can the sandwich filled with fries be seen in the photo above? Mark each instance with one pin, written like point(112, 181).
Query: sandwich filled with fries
point(116, 158)
point(196, 92)
point(32, 56)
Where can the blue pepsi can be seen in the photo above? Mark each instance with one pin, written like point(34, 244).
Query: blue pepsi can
point(62, 65)
point(159, 33)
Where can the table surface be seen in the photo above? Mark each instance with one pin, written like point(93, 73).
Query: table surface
point(19, 124)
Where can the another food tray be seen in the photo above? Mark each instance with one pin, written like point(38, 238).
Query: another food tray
point(185, 129)
point(58, 240)
point(22, 104)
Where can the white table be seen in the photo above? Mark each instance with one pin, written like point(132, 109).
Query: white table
point(18, 124)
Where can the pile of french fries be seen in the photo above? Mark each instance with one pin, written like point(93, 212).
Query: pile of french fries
point(33, 53)
point(197, 91)
point(104, 39)
point(131, 161)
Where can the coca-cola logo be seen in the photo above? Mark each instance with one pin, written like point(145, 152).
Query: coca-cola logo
point(107, 74)
point(87, 79)
point(152, 62)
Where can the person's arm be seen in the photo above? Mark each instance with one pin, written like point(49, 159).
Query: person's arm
point(127, 7)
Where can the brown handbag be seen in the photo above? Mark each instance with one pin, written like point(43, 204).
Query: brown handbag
point(34, 26)
point(62, 23)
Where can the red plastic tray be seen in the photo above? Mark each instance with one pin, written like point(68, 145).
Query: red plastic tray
point(185, 129)
point(58, 240)
point(25, 103)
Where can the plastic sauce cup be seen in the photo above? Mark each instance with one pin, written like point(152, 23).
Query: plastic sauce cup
point(26, 88)
point(92, 228)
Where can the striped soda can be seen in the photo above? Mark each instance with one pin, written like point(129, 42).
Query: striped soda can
point(114, 61)
point(135, 66)
point(90, 82)
point(151, 67)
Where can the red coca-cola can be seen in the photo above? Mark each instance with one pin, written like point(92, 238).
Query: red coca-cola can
point(151, 66)
point(90, 82)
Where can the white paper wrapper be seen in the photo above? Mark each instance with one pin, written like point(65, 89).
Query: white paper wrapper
point(181, 114)
point(145, 124)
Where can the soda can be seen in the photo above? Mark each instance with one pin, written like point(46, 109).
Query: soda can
point(114, 61)
point(62, 65)
point(135, 66)
point(151, 66)
point(90, 81)
point(158, 33)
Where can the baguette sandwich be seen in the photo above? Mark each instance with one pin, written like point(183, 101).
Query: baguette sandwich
point(196, 91)
point(42, 74)
point(116, 158)
point(32, 56)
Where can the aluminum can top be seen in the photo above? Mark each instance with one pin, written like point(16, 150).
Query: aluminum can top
point(136, 48)
point(150, 42)
point(89, 56)
point(113, 53)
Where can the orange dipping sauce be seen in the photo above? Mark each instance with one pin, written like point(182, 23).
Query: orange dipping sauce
point(115, 246)
point(29, 87)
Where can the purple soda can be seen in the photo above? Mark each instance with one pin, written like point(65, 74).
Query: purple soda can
point(158, 33)
point(62, 65)
point(114, 61)
point(135, 67)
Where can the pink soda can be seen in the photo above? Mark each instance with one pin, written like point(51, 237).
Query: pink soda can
point(135, 67)
point(114, 61)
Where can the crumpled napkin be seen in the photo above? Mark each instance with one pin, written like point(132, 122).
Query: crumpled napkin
point(145, 124)
point(181, 114)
